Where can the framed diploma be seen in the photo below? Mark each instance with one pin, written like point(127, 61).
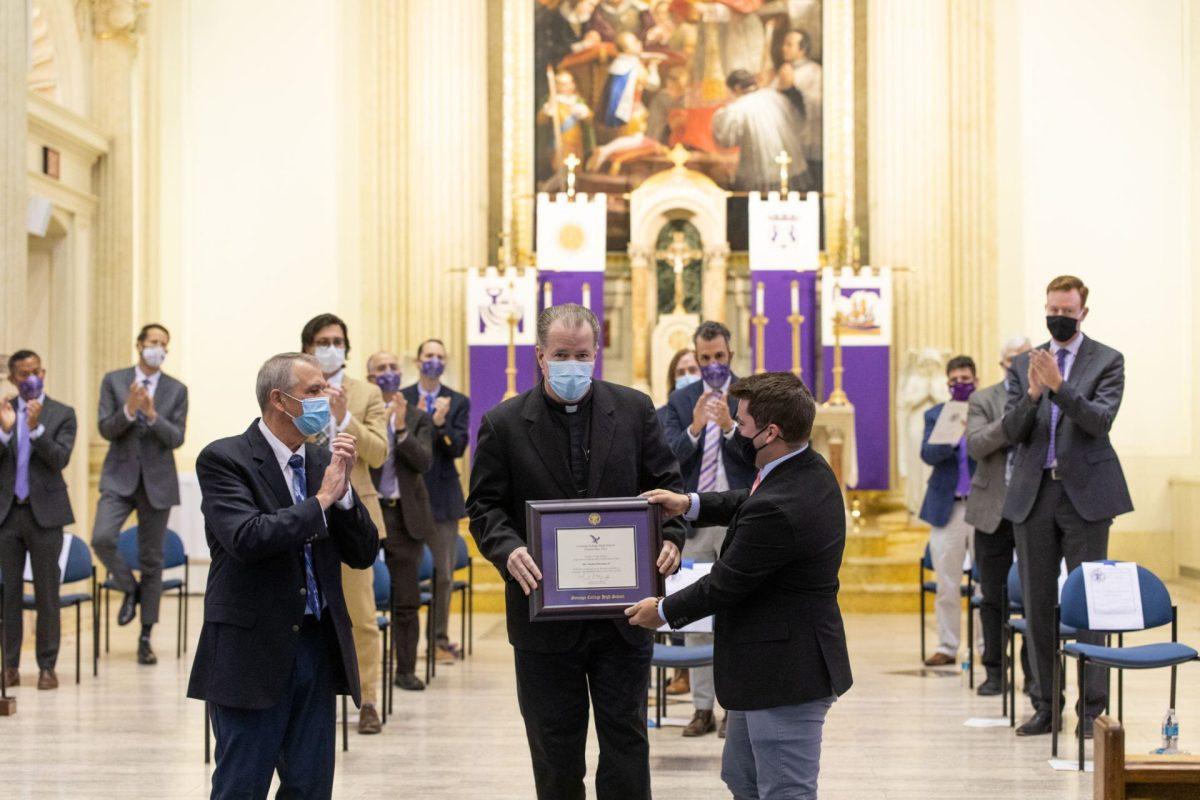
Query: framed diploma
point(597, 557)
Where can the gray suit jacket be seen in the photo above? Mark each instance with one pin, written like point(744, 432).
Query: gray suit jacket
point(49, 456)
point(139, 451)
point(1087, 463)
point(988, 445)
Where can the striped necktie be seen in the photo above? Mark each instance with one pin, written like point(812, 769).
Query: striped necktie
point(299, 492)
point(712, 452)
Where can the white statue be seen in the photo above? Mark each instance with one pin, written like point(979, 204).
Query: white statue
point(921, 386)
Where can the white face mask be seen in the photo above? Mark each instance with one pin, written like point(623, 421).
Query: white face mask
point(154, 356)
point(331, 358)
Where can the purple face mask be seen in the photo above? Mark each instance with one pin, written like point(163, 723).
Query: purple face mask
point(961, 391)
point(30, 388)
point(388, 381)
point(433, 367)
point(715, 374)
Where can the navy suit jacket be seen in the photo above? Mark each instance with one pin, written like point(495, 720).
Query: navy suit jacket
point(255, 598)
point(449, 443)
point(737, 453)
point(943, 482)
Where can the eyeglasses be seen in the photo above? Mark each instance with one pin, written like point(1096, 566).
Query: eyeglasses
point(337, 342)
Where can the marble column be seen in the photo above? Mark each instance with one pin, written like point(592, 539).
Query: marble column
point(14, 49)
point(423, 175)
point(640, 280)
point(716, 276)
point(932, 183)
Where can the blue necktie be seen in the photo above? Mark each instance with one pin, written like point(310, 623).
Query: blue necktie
point(299, 492)
point(145, 384)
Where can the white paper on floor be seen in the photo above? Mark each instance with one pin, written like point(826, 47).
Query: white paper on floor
point(673, 722)
point(986, 722)
point(1070, 765)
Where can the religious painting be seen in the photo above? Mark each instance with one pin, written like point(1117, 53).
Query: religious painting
point(618, 83)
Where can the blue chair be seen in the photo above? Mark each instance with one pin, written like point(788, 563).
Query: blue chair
point(1013, 627)
point(1157, 611)
point(174, 556)
point(925, 587)
point(674, 657)
point(425, 575)
point(466, 593)
point(79, 568)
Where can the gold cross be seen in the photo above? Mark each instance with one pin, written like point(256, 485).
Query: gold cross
point(783, 160)
point(679, 254)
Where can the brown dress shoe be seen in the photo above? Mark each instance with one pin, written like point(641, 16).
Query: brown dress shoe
point(12, 676)
point(680, 684)
point(444, 655)
point(368, 720)
point(702, 723)
point(721, 727)
point(47, 679)
point(939, 660)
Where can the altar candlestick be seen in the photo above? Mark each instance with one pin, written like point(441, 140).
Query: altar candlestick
point(795, 297)
point(796, 319)
point(758, 299)
point(587, 296)
point(547, 295)
point(760, 322)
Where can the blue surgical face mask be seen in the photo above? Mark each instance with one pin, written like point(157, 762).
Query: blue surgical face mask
point(684, 381)
point(570, 380)
point(314, 416)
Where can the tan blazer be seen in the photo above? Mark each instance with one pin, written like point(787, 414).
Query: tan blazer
point(368, 425)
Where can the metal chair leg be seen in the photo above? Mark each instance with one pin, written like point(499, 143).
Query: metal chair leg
point(345, 725)
point(1055, 710)
point(107, 617)
point(1082, 715)
point(1012, 683)
point(207, 736)
point(78, 637)
point(970, 643)
point(921, 598)
point(179, 626)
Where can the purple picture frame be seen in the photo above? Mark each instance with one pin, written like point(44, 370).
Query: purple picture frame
point(544, 521)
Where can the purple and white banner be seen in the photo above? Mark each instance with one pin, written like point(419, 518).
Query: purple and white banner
point(493, 298)
point(864, 300)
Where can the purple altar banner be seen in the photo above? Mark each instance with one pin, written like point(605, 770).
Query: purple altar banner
point(867, 384)
point(777, 307)
point(568, 287)
point(489, 382)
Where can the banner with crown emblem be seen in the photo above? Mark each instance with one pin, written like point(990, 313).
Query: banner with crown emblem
point(785, 234)
point(856, 309)
point(499, 302)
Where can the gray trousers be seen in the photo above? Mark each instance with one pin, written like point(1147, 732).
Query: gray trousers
point(111, 513)
point(702, 545)
point(775, 753)
point(20, 534)
point(443, 544)
point(1054, 531)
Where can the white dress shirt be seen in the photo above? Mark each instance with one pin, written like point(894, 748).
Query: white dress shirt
point(336, 427)
point(694, 506)
point(22, 412)
point(283, 454)
point(722, 479)
point(151, 388)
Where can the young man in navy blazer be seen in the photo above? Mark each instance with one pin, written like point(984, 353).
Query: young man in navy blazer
point(780, 656)
point(945, 509)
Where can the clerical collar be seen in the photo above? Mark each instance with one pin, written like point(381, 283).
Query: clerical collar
point(565, 408)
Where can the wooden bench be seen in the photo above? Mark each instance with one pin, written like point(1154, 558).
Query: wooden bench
point(1137, 777)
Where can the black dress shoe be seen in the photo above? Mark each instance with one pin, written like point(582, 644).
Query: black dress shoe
point(128, 608)
point(145, 653)
point(409, 682)
point(1037, 725)
point(989, 688)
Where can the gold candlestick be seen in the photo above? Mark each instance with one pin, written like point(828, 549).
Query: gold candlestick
point(838, 396)
point(760, 323)
point(796, 320)
point(547, 295)
point(510, 371)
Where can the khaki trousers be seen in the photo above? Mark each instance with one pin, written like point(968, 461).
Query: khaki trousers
point(358, 587)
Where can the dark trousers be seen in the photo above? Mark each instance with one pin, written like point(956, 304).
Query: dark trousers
point(994, 555)
point(295, 737)
point(20, 534)
point(402, 554)
point(111, 513)
point(553, 690)
point(1054, 531)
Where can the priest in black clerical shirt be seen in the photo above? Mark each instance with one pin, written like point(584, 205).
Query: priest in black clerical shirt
point(572, 437)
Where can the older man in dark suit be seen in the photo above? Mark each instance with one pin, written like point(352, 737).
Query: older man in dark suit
point(406, 512)
point(572, 437)
point(1067, 483)
point(988, 445)
point(276, 645)
point(143, 415)
point(37, 434)
point(780, 654)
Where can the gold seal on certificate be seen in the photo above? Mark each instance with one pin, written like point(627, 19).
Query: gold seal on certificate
point(597, 557)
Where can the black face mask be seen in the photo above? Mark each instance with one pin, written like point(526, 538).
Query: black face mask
point(1062, 328)
point(757, 449)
